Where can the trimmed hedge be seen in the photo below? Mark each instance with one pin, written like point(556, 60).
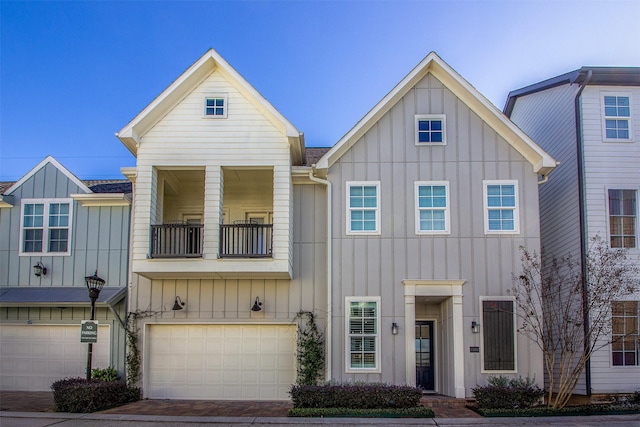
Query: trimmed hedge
point(543, 411)
point(355, 396)
point(503, 393)
point(81, 396)
point(417, 412)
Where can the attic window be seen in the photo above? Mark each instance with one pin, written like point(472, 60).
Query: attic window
point(215, 107)
point(430, 130)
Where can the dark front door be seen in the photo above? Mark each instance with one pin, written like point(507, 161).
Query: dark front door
point(424, 355)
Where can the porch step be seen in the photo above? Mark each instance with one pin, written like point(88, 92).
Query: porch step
point(439, 401)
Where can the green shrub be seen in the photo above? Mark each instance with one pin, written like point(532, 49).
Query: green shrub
point(106, 374)
point(417, 412)
point(355, 395)
point(81, 396)
point(505, 393)
point(543, 411)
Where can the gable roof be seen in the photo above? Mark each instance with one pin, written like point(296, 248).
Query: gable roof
point(42, 164)
point(542, 162)
point(211, 61)
point(600, 76)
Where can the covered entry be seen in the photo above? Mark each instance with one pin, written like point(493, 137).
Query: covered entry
point(430, 338)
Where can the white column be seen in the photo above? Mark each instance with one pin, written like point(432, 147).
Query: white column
point(410, 335)
point(458, 346)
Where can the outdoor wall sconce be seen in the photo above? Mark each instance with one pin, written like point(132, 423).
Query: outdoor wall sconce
point(475, 327)
point(257, 305)
point(394, 328)
point(178, 304)
point(39, 269)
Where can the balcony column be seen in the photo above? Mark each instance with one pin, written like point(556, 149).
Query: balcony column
point(213, 194)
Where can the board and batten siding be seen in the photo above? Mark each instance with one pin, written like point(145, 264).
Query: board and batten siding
point(99, 238)
point(377, 265)
point(609, 165)
point(184, 139)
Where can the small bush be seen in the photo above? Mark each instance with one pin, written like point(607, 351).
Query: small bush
point(505, 393)
point(81, 396)
point(106, 374)
point(543, 411)
point(355, 395)
point(417, 412)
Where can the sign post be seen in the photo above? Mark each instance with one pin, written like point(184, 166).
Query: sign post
point(89, 331)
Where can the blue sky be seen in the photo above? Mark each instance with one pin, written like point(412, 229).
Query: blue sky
point(73, 73)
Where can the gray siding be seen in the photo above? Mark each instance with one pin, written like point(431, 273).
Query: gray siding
point(100, 238)
point(377, 265)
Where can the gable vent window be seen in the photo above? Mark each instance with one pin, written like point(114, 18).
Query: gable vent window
point(215, 107)
point(430, 130)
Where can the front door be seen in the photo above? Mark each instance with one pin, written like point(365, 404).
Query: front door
point(424, 355)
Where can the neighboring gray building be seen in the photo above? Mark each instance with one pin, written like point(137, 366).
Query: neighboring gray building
point(70, 229)
point(589, 120)
point(432, 194)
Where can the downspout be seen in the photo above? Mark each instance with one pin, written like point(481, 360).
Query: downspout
point(327, 332)
point(584, 239)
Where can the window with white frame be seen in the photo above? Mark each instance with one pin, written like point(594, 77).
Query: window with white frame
point(215, 106)
point(432, 207)
point(501, 212)
point(625, 333)
point(623, 217)
point(430, 130)
point(45, 226)
point(363, 207)
point(498, 334)
point(617, 117)
point(363, 334)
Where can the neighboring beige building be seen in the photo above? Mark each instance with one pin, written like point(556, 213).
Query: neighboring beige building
point(400, 238)
point(589, 119)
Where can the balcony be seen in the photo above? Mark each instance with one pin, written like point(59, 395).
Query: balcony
point(246, 239)
point(176, 241)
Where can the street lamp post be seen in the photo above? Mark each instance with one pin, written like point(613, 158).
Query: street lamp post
point(94, 284)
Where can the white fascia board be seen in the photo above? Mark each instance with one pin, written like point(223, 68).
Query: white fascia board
point(57, 165)
point(6, 201)
point(130, 172)
point(102, 199)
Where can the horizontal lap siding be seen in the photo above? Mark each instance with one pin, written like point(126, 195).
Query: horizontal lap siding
point(377, 265)
point(609, 165)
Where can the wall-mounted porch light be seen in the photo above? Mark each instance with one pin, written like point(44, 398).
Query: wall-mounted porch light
point(39, 269)
point(257, 305)
point(178, 304)
point(475, 327)
point(394, 328)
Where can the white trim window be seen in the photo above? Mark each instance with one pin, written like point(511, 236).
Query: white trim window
point(617, 117)
point(501, 212)
point(363, 207)
point(623, 217)
point(45, 226)
point(625, 333)
point(432, 207)
point(215, 106)
point(431, 129)
point(362, 334)
point(498, 334)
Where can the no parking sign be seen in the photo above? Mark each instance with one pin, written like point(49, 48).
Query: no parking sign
point(89, 331)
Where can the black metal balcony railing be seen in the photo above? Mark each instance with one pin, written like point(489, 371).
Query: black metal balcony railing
point(176, 240)
point(244, 239)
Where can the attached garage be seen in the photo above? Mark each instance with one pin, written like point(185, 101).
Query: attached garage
point(229, 362)
point(32, 357)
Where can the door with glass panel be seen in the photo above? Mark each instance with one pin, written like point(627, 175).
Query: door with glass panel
point(424, 355)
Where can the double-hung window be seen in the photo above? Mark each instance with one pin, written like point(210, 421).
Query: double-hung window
point(363, 207)
point(430, 129)
point(501, 213)
point(498, 334)
point(45, 227)
point(623, 217)
point(625, 333)
point(617, 117)
point(432, 207)
point(215, 107)
point(363, 334)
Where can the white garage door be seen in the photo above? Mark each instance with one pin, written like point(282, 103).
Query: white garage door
point(233, 362)
point(32, 357)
